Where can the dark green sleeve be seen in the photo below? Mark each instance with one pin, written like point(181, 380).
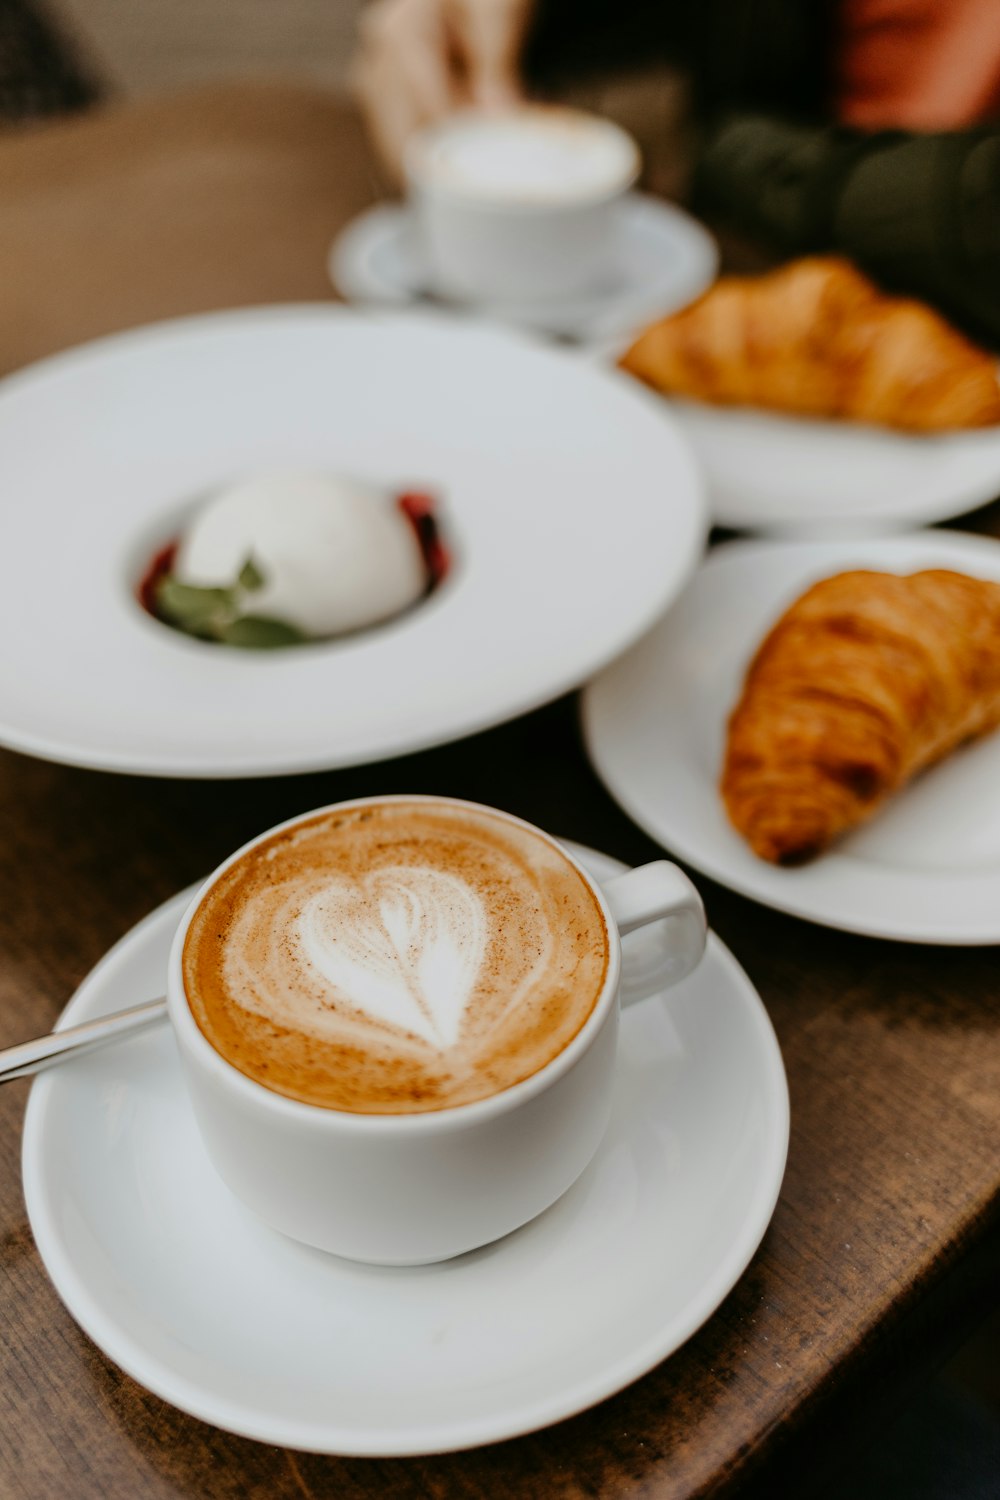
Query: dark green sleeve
point(920, 213)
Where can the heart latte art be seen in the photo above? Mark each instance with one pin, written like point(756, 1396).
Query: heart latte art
point(402, 946)
point(396, 957)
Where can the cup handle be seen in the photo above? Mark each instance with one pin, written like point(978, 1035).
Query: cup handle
point(659, 897)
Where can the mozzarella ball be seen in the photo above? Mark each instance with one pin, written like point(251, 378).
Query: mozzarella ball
point(335, 554)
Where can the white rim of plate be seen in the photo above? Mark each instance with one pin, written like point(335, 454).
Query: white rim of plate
point(777, 445)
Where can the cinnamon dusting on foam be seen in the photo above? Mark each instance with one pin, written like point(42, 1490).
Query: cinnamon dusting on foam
point(395, 958)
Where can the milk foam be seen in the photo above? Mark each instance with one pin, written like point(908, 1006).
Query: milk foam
point(535, 155)
point(401, 946)
point(407, 958)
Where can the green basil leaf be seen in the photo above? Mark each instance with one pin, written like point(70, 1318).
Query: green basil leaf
point(260, 633)
point(193, 608)
point(251, 578)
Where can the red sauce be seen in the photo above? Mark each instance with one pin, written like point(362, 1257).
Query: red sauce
point(419, 511)
point(160, 564)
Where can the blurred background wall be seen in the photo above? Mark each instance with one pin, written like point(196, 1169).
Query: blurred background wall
point(135, 47)
point(143, 45)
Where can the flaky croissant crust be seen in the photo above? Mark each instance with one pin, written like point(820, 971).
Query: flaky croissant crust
point(865, 680)
point(817, 338)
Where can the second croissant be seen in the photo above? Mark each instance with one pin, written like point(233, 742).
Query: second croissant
point(817, 338)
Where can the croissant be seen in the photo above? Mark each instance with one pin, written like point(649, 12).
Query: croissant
point(864, 681)
point(817, 338)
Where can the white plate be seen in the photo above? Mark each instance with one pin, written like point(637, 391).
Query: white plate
point(665, 259)
point(203, 1304)
point(573, 507)
point(766, 472)
point(927, 867)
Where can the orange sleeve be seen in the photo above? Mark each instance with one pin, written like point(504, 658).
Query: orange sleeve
point(917, 64)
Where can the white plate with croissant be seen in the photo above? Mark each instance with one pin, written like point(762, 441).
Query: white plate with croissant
point(818, 405)
point(815, 726)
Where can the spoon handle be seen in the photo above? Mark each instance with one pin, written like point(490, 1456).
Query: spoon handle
point(57, 1046)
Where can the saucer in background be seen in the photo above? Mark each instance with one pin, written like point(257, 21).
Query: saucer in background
point(666, 259)
point(182, 1287)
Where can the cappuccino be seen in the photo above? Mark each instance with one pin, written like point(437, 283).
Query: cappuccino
point(396, 957)
point(533, 155)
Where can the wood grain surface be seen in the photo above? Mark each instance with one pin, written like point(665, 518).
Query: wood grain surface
point(883, 1244)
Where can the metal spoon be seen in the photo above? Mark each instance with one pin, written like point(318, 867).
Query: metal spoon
point(57, 1046)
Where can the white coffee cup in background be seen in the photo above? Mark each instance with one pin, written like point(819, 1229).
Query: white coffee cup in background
point(519, 205)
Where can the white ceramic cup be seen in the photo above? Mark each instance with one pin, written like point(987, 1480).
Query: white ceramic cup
point(408, 1189)
point(503, 224)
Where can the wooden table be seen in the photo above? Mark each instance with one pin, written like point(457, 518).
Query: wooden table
point(885, 1240)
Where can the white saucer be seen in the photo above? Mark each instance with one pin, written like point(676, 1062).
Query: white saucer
point(665, 259)
point(572, 505)
point(228, 1320)
point(766, 472)
point(926, 869)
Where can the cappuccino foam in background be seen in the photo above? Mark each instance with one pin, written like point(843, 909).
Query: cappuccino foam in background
point(533, 156)
point(395, 958)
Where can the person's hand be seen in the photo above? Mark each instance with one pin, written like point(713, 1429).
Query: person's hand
point(419, 59)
